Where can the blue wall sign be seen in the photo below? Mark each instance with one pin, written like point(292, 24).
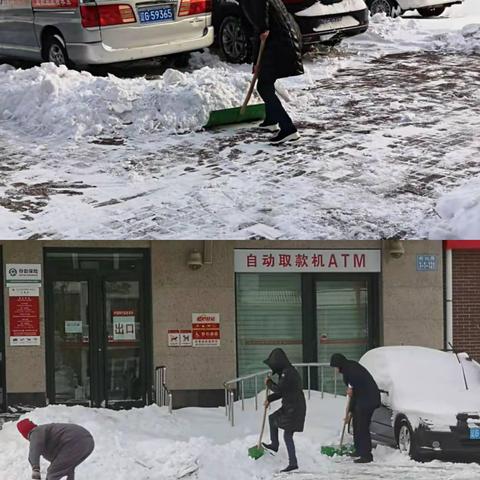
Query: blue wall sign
point(426, 263)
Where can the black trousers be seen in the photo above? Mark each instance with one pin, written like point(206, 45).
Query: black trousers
point(361, 431)
point(274, 111)
point(287, 437)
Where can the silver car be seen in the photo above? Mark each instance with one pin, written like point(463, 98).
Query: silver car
point(88, 32)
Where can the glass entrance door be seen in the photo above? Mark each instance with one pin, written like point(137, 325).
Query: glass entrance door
point(71, 322)
point(124, 331)
point(344, 319)
point(97, 336)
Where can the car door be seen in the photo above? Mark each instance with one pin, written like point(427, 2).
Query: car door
point(381, 427)
point(17, 33)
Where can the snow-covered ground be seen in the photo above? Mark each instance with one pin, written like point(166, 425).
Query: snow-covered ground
point(198, 443)
point(390, 121)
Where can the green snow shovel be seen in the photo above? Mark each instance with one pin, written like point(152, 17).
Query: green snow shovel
point(258, 450)
point(245, 113)
point(341, 449)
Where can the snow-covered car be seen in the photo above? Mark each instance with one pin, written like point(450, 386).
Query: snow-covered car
point(430, 402)
point(320, 21)
point(395, 8)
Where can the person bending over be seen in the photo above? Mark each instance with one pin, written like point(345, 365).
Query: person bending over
point(364, 399)
point(64, 445)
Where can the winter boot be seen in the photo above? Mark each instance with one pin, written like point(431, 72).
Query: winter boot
point(271, 127)
point(271, 447)
point(285, 136)
point(368, 459)
point(290, 468)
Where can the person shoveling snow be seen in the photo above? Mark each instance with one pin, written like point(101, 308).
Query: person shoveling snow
point(64, 445)
point(291, 416)
point(282, 58)
point(364, 399)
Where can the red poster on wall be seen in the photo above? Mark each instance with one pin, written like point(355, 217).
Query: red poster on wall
point(24, 309)
point(206, 329)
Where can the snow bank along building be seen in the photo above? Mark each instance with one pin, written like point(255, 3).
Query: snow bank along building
point(88, 322)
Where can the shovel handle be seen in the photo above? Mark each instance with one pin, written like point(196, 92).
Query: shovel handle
point(255, 76)
point(264, 419)
point(345, 422)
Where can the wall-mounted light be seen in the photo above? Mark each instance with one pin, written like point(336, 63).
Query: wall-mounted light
point(396, 248)
point(195, 260)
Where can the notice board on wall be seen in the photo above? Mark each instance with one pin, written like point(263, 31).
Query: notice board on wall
point(24, 316)
point(206, 329)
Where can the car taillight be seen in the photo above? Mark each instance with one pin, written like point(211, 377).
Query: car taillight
point(105, 15)
point(194, 7)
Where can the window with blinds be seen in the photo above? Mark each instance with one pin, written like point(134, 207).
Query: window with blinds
point(342, 320)
point(269, 315)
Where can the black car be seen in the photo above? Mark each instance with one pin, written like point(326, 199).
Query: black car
point(320, 21)
point(430, 402)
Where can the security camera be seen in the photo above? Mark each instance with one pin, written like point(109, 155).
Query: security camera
point(195, 260)
point(396, 249)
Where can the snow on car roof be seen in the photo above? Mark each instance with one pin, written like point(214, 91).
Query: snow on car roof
point(425, 381)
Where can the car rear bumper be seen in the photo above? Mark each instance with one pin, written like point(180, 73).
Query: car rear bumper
point(450, 444)
point(323, 29)
point(98, 53)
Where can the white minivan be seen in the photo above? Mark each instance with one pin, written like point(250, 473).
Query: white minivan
point(89, 32)
point(395, 8)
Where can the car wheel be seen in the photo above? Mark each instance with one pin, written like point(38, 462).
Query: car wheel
point(389, 7)
point(55, 51)
point(406, 440)
point(234, 41)
point(430, 11)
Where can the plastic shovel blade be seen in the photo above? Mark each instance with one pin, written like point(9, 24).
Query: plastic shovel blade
point(256, 452)
point(230, 116)
point(334, 450)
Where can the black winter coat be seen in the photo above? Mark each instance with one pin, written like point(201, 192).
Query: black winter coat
point(366, 394)
point(291, 416)
point(282, 56)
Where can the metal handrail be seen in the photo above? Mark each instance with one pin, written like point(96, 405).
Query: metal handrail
point(163, 396)
point(230, 386)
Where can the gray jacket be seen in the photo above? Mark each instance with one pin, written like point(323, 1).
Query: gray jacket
point(51, 439)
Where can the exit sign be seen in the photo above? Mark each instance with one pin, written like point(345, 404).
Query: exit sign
point(426, 263)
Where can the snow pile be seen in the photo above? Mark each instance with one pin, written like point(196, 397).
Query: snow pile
point(466, 41)
point(459, 211)
point(149, 443)
point(49, 100)
point(435, 392)
point(198, 443)
point(388, 35)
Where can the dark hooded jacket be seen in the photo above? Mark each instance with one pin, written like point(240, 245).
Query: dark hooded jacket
point(366, 394)
point(282, 56)
point(291, 416)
